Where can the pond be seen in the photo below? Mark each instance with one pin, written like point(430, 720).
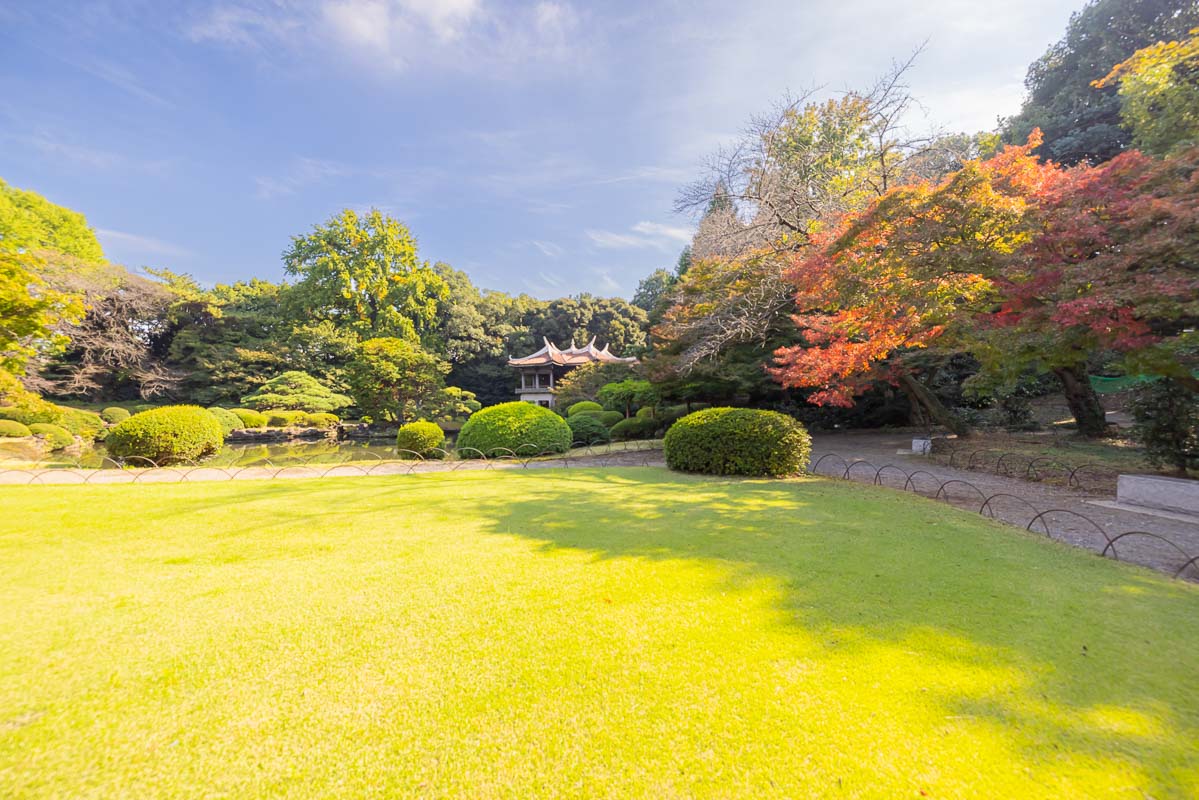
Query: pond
point(324, 451)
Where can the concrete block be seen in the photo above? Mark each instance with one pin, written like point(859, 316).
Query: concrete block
point(1177, 495)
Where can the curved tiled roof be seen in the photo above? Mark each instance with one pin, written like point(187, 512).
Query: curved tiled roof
point(570, 357)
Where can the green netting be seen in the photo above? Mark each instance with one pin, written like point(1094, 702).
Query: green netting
point(1105, 385)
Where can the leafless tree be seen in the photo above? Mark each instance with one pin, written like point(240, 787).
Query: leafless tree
point(804, 163)
point(114, 341)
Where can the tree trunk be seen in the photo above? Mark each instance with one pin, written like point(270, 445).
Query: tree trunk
point(1084, 403)
point(916, 416)
point(935, 408)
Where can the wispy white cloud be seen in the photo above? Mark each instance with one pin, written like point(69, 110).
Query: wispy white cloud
point(643, 235)
point(391, 35)
point(140, 244)
point(63, 151)
point(649, 174)
point(659, 231)
point(302, 172)
point(605, 280)
point(548, 248)
point(121, 78)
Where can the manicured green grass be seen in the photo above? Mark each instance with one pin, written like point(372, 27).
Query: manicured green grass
point(575, 633)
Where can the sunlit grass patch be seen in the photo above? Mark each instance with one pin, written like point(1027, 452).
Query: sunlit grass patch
point(569, 632)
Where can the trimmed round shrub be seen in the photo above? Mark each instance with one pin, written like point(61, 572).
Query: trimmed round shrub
point(167, 435)
point(583, 405)
point(58, 436)
point(114, 414)
point(738, 441)
point(521, 427)
point(230, 422)
point(609, 418)
point(284, 418)
point(587, 429)
point(634, 428)
point(249, 418)
point(422, 438)
point(86, 424)
point(12, 429)
point(645, 412)
point(322, 420)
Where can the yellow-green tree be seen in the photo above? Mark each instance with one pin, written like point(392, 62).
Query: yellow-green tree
point(1159, 94)
point(363, 272)
point(34, 234)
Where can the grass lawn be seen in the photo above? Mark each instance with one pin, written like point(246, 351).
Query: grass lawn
point(1117, 455)
point(576, 633)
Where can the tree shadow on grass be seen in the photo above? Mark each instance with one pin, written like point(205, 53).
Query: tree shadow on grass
point(1067, 658)
point(1077, 657)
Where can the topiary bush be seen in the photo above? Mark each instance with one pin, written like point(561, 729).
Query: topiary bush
point(634, 428)
point(58, 436)
point(114, 414)
point(86, 424)
point(284, 418)
point(296, 391)
point(167, 435)
point(583, 405)
point(646, 412)
point(249, 417)
point(587, 429)
point(322, 420)
point(74, 420)
point(738, 441)
point(609, 418)
point(10, 428)
point(423, 438)
point(521, 427)
point(230, 422)
point(41, 412)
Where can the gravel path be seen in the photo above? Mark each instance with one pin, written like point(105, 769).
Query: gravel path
point(1069, 518)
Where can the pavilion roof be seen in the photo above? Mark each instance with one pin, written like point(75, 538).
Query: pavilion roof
point(569, 357)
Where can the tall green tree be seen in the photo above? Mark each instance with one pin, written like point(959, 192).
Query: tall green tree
point(363, 272)
point(1159, 94)
point(1079, 121)
point(394, 379)
point(30, 222)
point(37, 237)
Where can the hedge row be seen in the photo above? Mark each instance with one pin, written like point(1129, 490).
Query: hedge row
point(10, 428)
point(58, 436)
point(230, 422)
point(249, 417)
point(587, 429)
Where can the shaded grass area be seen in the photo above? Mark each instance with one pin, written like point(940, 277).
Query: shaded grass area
point(1055, 454)
point(576, 633)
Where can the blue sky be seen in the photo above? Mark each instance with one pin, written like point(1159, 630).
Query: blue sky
point(539, 146)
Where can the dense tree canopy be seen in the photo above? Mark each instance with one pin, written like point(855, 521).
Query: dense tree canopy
point(363, 272)
point(1080, 122)
point(1159, 94)
point(394, 379)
